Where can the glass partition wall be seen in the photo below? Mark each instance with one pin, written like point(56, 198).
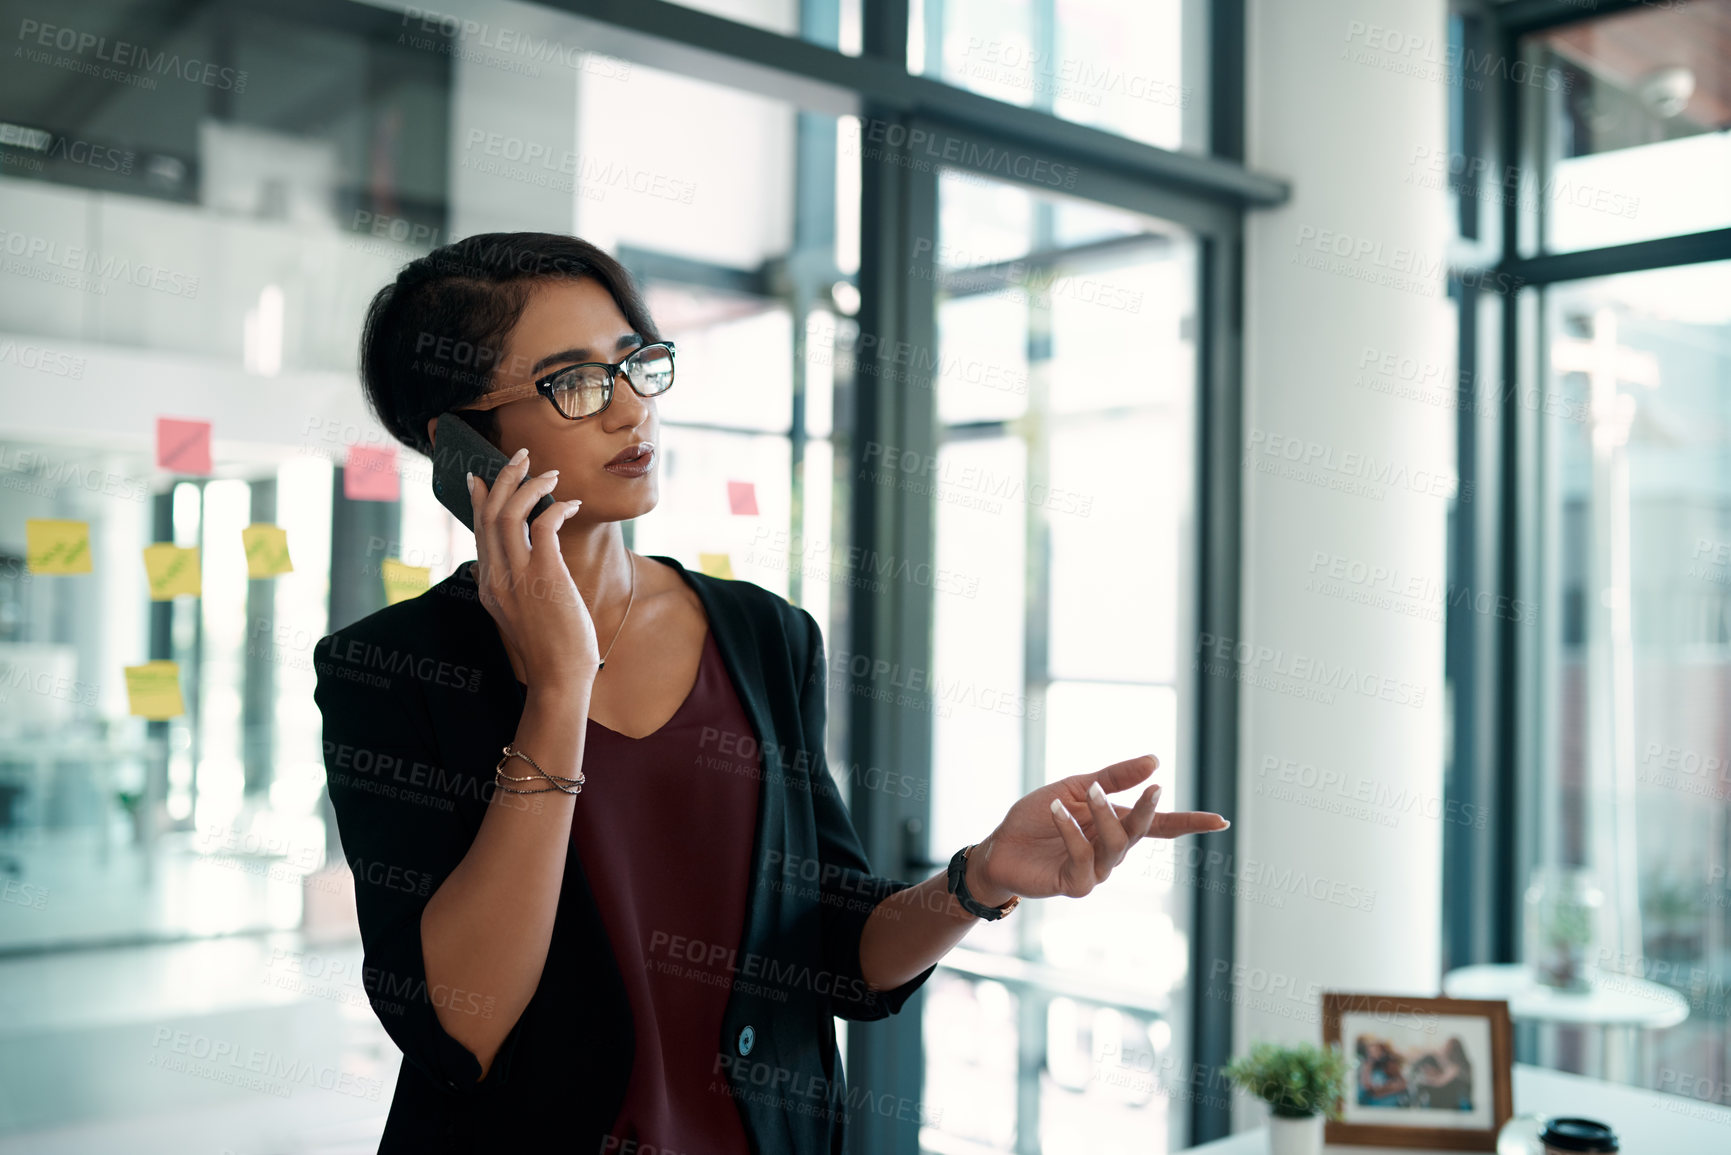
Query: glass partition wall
point(1036, 319)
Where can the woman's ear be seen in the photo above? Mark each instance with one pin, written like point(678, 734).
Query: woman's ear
point(432, 423)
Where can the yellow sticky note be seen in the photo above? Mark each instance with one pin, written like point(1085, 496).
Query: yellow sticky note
point(716, 565)
point(153, 690)
point(54, 546)
point(267, 552)
point(403, 582)
point(172, 571)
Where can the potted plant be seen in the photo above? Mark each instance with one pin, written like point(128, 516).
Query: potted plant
point(1301, 1084)
point(1563, 907)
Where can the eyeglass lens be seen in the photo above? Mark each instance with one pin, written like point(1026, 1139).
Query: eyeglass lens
point(582, 390)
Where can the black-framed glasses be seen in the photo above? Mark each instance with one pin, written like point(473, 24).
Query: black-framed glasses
point(579, 391)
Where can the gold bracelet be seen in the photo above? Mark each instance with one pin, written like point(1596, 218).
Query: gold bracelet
point(499, 781)
point(510, 753)
point(556, 782)
point(512, 790)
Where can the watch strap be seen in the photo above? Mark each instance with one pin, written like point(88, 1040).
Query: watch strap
point(958, 884)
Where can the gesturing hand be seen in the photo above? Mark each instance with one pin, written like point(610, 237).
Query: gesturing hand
point(1066, 837)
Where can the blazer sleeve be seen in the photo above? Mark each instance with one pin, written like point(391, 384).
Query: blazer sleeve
point(401, 819)
point(849, 890)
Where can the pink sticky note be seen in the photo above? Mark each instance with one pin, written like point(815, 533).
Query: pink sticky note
point(742, 497)
point(371, 474)
point(183, 446)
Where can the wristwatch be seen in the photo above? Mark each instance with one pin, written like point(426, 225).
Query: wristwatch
point(959, 887)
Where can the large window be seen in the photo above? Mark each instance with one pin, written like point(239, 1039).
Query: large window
point(1631, 138)
point(1591, 723)
point(1631, 469)
point(1638, 488)
point(1066, 379)
point(1138, 70)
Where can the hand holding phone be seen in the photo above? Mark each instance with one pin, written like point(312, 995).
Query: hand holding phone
point(520, 572)
point(459, 450)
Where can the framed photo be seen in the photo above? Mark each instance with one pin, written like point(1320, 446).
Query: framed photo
point(1421, 1072)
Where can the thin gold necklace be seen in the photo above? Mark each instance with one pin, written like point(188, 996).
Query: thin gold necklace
point(627, 613)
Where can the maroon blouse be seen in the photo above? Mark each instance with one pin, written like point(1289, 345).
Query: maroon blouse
point(664, 830)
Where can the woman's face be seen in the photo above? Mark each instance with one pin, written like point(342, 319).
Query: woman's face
point(567, 322)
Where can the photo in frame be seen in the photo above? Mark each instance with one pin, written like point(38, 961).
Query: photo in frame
point(1421, 1072)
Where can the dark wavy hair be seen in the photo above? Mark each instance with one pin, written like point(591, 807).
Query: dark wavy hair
point(434, 337)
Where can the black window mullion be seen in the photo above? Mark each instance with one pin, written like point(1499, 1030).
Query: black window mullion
point(898, 206)
point(1219, 435)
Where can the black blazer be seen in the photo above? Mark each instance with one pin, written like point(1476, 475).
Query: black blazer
point(418, 698)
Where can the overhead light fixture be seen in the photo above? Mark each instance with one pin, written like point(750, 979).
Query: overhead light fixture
point(1667, 90)
point(262, 334)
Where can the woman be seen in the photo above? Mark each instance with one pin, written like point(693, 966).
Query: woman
point(609, 896)
point(1444, 1080)
point(1380, 1080)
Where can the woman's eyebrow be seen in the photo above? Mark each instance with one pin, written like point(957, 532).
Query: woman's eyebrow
point(583, 353)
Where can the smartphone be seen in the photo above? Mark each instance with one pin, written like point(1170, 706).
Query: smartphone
point(459, 450)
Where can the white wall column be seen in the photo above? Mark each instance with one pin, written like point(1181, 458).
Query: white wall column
point(1348, 480)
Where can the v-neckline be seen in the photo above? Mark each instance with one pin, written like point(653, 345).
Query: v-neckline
point(708, 636)
point(702, 660)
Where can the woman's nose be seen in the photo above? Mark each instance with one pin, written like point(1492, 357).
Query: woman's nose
point(630, 408)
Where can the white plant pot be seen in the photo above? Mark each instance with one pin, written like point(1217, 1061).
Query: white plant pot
point(1295, 1136)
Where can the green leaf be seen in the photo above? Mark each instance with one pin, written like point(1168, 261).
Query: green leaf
point(1296, 1082)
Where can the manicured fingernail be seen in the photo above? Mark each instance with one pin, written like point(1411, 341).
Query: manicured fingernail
point(1097, 794)
point(1227, 821)
point(469, 480)
point(1058, 807)
point(520, 454)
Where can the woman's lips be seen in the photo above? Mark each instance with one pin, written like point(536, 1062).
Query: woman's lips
point(634, 462)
